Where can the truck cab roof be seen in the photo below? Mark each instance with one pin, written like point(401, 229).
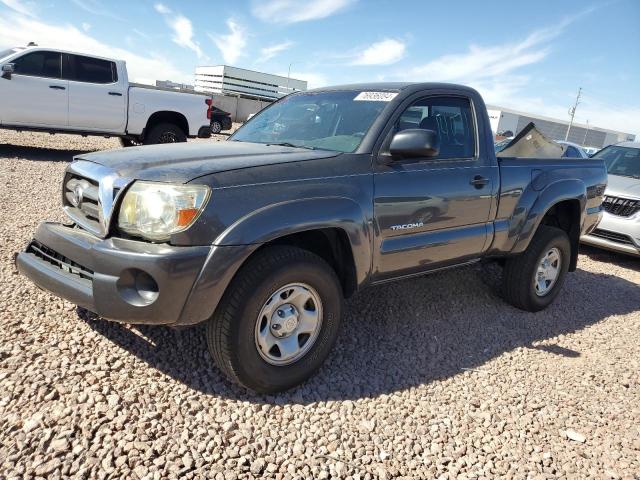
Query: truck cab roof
point(35, 48)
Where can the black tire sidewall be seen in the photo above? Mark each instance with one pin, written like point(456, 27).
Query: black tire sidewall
point(561, 242)
point(247, 362)
point(153, 138)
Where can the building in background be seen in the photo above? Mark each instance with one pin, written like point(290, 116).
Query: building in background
point(239, 82)
point(508, 120)
point(173, 85)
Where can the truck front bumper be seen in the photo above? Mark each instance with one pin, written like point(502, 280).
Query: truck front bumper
point(127, 280)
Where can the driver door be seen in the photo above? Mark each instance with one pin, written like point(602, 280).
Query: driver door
point(35, 95)
point(433, 212)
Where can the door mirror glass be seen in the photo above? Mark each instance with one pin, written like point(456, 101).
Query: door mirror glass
point(415, 143)
point(7, 70)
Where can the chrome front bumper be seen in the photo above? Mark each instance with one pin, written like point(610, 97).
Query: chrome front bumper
point(619, 234)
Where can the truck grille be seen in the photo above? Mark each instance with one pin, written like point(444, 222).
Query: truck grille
point(622, 207)
point(82, 193)
point(612, 236)
point(63, 263)
point(89, 193)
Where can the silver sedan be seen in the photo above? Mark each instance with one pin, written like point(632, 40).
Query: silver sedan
point(619, 229)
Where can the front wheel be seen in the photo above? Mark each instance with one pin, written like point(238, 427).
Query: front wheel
point(532, 280)
point(278, 320)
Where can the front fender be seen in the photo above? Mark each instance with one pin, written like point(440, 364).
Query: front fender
point(278, 220)
point(552, 194)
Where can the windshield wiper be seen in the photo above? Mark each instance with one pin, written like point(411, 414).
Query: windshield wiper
point(289, 144)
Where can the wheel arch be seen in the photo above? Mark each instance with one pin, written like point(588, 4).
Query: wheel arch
point(562, 205)
point(167, 116)
point(333, 228)
point(339, 220)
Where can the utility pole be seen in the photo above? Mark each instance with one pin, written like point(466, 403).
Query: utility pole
point(289, 75)
point(572, 113)
point(584, 142)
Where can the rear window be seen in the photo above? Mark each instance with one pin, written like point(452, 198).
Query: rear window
point(39, 64)
point(92, 70)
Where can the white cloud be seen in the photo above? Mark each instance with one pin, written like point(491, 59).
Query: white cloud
point(95, 7)
point(182, 29)
point(19, 30)
point(24, 8)
point(163, 9)
point(86, 26)
point(231, 45)
point(484, 62)
point(267, 53)
point(385, 52)
point(292, 11)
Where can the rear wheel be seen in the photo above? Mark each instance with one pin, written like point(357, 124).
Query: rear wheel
point(277, 321)
point(165, 133)
point(216, 127)
point(533, 279)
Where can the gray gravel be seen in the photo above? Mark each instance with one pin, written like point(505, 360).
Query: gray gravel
point(431, 378)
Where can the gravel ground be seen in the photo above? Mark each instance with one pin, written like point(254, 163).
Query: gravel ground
point(431, 378)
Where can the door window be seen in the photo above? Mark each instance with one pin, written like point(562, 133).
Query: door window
point(450, 117)
point(39, 64)
point(92, 70)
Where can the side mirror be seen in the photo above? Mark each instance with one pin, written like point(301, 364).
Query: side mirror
point(415, 143)
point(7, 70)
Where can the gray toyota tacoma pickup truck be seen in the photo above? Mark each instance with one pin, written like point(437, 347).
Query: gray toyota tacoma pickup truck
point(321, 194)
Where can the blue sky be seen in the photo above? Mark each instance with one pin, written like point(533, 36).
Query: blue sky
point(531, 57)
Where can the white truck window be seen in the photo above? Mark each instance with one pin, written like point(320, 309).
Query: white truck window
point(92, 70)
point(39, 64)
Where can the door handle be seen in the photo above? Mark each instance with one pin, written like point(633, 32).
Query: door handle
point(57, 87)
point(479, 181)
point(115, 94)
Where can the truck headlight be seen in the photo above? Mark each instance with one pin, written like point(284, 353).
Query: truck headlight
point(156, 210)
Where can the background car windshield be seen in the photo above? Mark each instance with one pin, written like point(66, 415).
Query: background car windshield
point(6, 53)
point(621, 160)
point(324, 120)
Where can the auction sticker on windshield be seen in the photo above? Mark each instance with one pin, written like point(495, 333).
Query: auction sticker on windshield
point(375, 96)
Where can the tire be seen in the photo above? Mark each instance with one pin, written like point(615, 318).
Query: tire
point(234, 328)
point(521, 272)
point(165, 133)
point(128, 142)
point(216, 127)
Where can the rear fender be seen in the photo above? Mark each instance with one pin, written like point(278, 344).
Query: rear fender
point(554, 193)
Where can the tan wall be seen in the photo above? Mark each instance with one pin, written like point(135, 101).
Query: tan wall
point(239, 108)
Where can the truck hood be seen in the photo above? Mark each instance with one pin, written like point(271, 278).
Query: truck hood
point(182, 162)
point(619, 186)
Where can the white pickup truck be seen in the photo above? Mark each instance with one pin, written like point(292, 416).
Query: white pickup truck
point(55, 91)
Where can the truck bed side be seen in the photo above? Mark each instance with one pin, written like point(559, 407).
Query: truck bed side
point(531, 187)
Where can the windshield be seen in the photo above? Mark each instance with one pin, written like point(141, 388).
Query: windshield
point(6, 53)
point(325, 120)
point(623, 161)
